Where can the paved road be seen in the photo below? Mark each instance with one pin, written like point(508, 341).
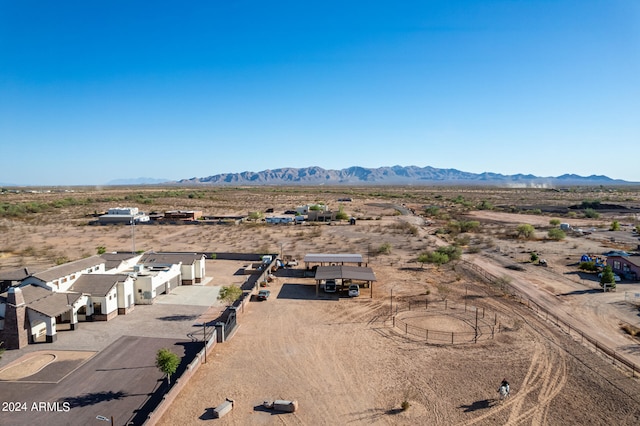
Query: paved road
point(121, 381)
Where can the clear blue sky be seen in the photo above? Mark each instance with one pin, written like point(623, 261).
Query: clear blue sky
point(92, 91)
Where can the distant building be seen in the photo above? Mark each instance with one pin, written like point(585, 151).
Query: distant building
point(123, 215)
point(627, 267)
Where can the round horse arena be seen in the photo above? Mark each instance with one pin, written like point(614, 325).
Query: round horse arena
point(445, 323)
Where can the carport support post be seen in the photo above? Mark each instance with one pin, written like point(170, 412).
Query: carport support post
point(204, 332)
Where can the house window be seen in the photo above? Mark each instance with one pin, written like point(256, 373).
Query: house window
point(625, 268)
point(64, 280)
point(616, 265)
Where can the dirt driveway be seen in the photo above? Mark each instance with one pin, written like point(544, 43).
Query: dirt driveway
point(344, 364)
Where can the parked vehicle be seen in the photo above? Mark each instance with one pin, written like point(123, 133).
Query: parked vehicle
point(330, 286)
point(354, 290)
point(616, 277)
point(264, 294)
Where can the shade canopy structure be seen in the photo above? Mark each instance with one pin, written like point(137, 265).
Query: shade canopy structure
point(333, 258)
point(340, 272)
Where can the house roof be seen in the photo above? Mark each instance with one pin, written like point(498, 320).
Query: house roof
point(44, 301)
point(345, 272)
point(69, 268)
point(97, 284)
point(113, 260)
point(333, 258)
point(16, 274)
point(170, 258)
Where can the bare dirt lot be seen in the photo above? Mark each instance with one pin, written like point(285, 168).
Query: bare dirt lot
point(341, 358)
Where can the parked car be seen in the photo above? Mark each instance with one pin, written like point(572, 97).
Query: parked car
point(330, 286)
point(292, 263)
point(616, 278)
point(354, 290)
point(263, 294)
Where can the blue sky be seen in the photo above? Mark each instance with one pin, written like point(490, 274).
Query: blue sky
point(95, 91)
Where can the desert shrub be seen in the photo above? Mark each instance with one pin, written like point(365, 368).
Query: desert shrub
point(525, 231)
point(630, 330)
point(101, 249)
point(572, 214)
point(484, 205)
point(452, 252)
point(615, 226)
point(384, 248)
point(534, 256)
point(432, 211)
point(536, 211)
point(588, 266)
point(556, 234)
point(591, 213)
point(462, 240)
point(590, 204)
point(469, 225)
point(554, 222)
point(405, 405)
point(342, 215)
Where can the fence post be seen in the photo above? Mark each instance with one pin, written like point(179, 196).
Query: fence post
point(426, 336)
point(483, 313)
point(394, 321)
point(452, 337)
point(495, 319)
point(445, 304)
point(406, 328)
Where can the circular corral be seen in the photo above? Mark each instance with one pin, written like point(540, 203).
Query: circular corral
point(448, 325)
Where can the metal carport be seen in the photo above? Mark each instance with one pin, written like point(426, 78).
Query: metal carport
point(339, 272)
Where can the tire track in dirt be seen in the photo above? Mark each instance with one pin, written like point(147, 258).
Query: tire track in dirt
point(546, 377)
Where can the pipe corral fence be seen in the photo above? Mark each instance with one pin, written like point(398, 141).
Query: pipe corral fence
point(483, 325)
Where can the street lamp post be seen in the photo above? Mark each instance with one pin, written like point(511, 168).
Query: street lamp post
point(133, 235)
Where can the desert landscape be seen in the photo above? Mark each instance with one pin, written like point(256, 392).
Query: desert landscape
point(349, 360)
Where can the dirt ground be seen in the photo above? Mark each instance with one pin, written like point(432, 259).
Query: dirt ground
point(342, 359)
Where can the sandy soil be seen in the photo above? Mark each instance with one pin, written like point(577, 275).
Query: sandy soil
point(341, 358)
point(30, 364)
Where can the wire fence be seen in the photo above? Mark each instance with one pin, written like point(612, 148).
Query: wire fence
point(482, 325)
point(616, 358)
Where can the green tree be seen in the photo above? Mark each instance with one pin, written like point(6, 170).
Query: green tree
point(229, 294)
point(556, 234)
point(607, 277)
point(101, 249)
point(615, 226)
point(525, 231)
point(554, 222)
point(534, 256)
point(167, 362)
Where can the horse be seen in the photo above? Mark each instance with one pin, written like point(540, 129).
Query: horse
point(504, 392)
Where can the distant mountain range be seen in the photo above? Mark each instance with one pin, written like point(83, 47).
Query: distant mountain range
point(396, 175)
